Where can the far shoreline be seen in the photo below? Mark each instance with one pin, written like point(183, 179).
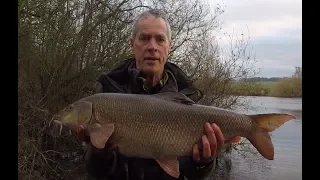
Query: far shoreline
point(267, 96)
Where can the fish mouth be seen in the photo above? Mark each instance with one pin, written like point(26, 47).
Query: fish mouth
point(70, 127)
point(74, 126)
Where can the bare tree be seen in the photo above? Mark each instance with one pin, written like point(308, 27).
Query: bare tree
point(65, 44)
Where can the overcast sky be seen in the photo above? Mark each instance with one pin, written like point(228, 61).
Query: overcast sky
point(274, 28)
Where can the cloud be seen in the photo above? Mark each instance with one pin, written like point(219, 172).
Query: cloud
point(264, 28)
point(274, 28)
point(278, 50)
point(275, 71)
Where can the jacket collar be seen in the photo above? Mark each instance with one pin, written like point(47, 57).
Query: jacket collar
point(120, 75)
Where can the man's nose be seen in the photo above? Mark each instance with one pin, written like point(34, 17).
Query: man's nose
point(152, 45)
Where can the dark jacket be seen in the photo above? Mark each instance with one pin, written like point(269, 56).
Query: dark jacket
point(124, 79)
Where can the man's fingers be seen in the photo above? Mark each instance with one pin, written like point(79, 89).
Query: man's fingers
point(196, 153)
point(211, 139)
point(211, 142)
point(219, 138)
point(206, 147)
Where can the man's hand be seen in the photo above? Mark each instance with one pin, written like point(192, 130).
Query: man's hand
point(212, 142)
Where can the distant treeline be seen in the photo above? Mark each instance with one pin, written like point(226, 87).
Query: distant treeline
point(275, 86)
point(262, 79)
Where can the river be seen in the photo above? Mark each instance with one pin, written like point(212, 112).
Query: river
point(287, 141)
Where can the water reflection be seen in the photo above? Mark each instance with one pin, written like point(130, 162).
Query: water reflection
point(242, 165)
point(287, 141)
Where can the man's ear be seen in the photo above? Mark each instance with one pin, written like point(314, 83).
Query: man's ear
point(131, 43)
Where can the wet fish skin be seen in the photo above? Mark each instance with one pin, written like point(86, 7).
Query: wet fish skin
point(164, 126)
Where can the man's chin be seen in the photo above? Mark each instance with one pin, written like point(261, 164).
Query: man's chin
point(150, 68)
point(149, 71)
point(147, 62)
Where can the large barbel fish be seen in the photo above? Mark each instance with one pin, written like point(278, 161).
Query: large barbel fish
point(163, 126)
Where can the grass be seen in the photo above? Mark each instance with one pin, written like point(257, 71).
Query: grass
point(287, 87)
point(252, 88)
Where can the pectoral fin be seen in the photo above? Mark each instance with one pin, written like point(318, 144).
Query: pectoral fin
point(170, 166)
point(99, 134)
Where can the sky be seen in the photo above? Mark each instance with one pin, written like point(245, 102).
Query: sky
point(274, 28)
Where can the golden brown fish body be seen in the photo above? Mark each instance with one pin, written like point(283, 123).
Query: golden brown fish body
point(164, 126)
point(150, 127)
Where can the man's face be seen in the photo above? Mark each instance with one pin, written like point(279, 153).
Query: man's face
point(151, 45)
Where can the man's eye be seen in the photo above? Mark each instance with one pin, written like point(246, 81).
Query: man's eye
point(144, 38)
point(161, 39)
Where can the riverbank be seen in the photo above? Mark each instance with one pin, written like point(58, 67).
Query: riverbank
point(288, 87)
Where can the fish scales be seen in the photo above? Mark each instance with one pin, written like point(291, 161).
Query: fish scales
point(163, 126)
point(150, 127)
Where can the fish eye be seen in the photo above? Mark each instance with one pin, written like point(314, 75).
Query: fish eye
point(69, 108)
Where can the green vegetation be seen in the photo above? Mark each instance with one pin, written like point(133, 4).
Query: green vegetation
point(260, 88)
point(282, 87)
point(289, 87)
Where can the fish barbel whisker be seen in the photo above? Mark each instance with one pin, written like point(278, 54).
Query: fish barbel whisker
point(61, 125)
point(55, 117)
point(60, 131)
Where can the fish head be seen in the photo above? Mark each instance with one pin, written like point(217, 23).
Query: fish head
point(74, 115)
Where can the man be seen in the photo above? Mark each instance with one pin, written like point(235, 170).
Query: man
point(148, 73)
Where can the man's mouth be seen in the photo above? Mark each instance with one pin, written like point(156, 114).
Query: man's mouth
point(151, 58)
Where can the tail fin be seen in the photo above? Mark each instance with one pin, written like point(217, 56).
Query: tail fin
point(266, 123)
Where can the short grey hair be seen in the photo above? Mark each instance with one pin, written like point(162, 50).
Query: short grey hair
point(155, 13)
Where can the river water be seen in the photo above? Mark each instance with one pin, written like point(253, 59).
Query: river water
point(287, 141)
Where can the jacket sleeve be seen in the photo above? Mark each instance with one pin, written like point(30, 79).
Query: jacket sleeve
point(198, 170)
point(99, 165)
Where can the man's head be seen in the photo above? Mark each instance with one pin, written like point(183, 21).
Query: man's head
point(151, 41)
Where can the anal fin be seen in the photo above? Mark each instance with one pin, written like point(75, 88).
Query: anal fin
point(170, 166)
point(233, 140)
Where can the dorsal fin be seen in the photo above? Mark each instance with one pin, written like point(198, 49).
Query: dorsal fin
point(174, 96)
